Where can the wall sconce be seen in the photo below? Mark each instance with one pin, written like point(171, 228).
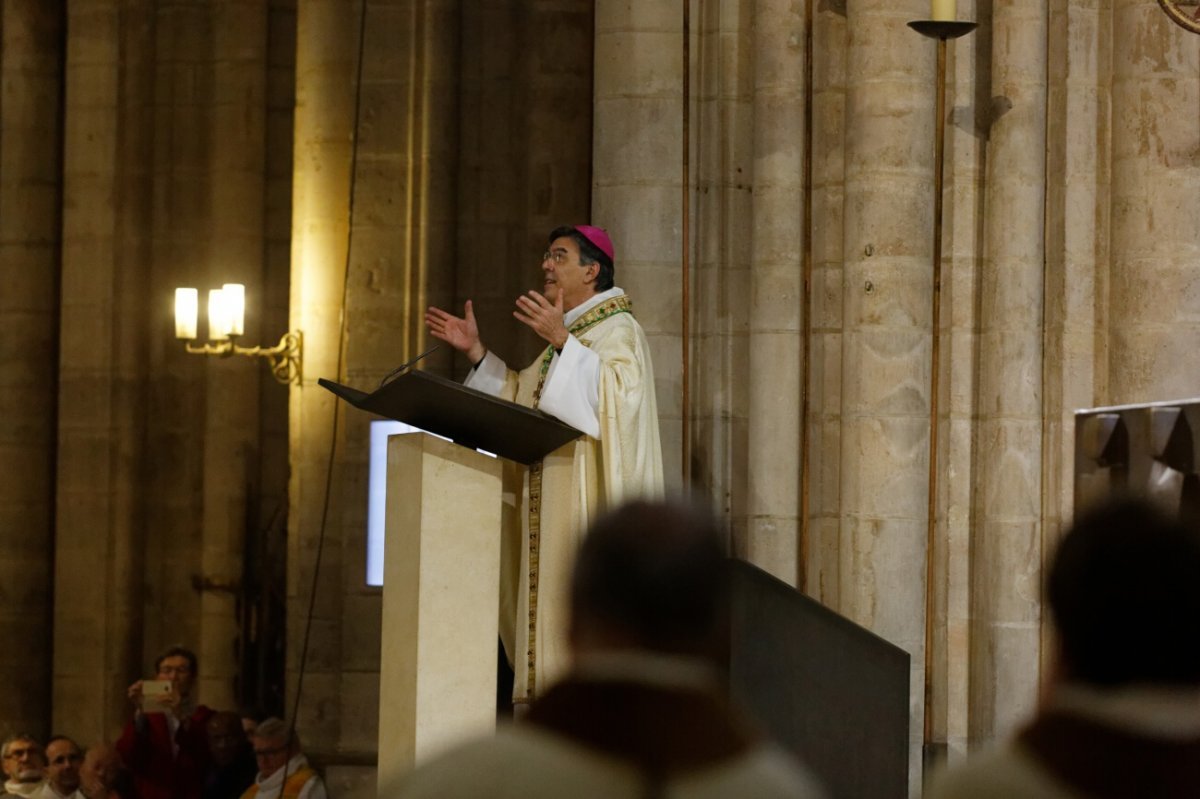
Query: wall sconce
point(226, 321)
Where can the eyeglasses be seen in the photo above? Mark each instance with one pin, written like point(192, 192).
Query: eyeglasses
point(559, 257)
point(17, 754)
point(269, 752)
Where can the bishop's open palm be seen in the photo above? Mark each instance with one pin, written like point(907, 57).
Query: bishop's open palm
point(460, 332)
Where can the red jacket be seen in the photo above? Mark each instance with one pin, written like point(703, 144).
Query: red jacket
point(145, 747)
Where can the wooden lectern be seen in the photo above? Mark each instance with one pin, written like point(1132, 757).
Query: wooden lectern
point(437, 678)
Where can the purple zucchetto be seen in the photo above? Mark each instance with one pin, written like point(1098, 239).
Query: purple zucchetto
point(599, 237)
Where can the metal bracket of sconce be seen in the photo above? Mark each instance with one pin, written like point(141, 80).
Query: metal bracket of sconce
point(226, 322)
point(283, 358)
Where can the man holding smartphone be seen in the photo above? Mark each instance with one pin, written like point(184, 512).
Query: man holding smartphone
point(165, 744)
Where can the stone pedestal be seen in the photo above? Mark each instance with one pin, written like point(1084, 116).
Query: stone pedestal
point(440, 601)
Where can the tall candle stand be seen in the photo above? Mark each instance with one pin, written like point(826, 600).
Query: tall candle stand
point(943, 31)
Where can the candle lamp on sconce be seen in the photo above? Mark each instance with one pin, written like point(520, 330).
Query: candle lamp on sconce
point(226, 321)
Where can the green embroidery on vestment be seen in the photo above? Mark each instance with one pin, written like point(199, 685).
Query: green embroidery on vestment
point(606, 309)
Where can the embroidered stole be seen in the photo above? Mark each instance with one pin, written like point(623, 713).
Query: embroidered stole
point(606, 309)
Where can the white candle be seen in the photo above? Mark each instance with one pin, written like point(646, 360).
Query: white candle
point(218, 323)
point(234, 295)
point(944, 10)
point(186, 301)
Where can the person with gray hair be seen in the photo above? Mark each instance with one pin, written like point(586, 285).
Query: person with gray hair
point(642, 712)
point(24, 766)
point(283, 771)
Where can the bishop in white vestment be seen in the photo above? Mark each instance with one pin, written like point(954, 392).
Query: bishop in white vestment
point(596, 376)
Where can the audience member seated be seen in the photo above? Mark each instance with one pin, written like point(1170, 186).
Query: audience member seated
point(641, 712)
point(24, 766)
point(103, 776)
point(233, 765)
point(165, 744)
point(251, 716)
point(62, 772)
point(282, 770)
point(1122, 711)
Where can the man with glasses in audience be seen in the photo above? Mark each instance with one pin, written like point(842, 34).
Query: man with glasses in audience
point(24, 766)
point(283, 772)
point(595, 375)
point(165, 744)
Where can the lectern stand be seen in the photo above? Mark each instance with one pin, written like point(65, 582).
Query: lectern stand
point(437, 681)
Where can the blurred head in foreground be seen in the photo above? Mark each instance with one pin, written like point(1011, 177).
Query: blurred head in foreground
point(1124, 592)
point(650, 576)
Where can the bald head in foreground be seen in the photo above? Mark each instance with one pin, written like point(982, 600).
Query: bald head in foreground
point(641, 711)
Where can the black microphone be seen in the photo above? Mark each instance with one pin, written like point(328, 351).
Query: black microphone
point(404, 366)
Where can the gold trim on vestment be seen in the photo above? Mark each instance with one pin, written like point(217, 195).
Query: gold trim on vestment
point(595, 316)
point(535, 534)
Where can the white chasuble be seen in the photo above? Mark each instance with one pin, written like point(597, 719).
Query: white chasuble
point(603, 384)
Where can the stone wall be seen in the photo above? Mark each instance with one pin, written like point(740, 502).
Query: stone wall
point(30, 221)
point(133, 160)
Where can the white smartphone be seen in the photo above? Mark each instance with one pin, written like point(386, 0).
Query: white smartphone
point(155, 694)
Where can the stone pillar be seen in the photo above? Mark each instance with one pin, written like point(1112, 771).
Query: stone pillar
point(181, 246)
point(1007, 532)
point(495, 261)
point(235, 165)
point(637, 181)
point(524, 154)
point(553, 141)
point(829, 42)
point(776, 291)
point(325, 67)
point(1079, 135)
point(30, 144)
point(886, 342)
point(404, 240)
point(722, 172)
point(1153, 309)
point(102, 408)
point(967, 117)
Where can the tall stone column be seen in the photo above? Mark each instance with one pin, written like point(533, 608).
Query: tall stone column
point(325, 68)
point(886, 341)
point(524, 154)
point(967, 117)
point(404, 247)
point(637, 182)
point(102, 408)
point(181, 244)
point(1006, 556)
point(235, 165)
point(1154, 312)
point(722, 167)
point(829, 42)
point(553, 140)
point(30, 144)
point(1078, 143)
point(777, 291)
